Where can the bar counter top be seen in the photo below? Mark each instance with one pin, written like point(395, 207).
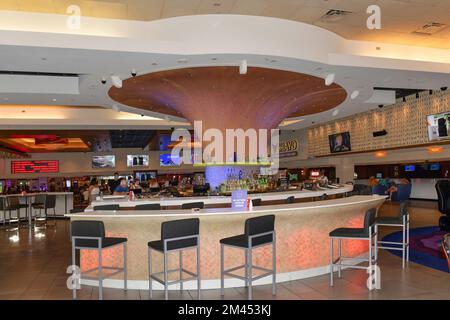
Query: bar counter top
point(184, 213)
point(123, 201)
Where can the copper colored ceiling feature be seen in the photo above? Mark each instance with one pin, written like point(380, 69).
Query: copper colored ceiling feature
point(222, 98)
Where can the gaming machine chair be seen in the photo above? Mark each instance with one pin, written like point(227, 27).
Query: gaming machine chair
point(443, 192)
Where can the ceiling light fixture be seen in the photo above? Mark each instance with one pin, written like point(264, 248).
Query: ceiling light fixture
point(380, 154)
point(431, 92)
point(243, 67)
point(329, 79)
point(116, 81)
point(404, 99)
point(435, 149)
point(417, 95)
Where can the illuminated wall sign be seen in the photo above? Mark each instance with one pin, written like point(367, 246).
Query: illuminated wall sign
point(35, 166)
point(288, 148)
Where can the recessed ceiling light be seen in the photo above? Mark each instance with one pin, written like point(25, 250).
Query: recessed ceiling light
point(217, 4)
point(54, 100)
point(182, 60)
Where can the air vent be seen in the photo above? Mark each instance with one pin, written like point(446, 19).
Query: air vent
point(430, 28)
point(335, 15)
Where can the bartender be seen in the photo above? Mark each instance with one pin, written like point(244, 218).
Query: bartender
point(323, 179)
point(113, 184)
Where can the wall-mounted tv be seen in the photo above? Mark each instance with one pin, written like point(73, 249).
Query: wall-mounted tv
point(101, 162)
point(340, 142)
point(167, 160)
point(439, 126)
point(140, 160)
point(410, 168)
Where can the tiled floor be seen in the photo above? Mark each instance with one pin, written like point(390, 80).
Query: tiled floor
point(34, 267)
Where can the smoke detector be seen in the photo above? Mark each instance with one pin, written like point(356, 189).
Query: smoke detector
point(335, 15)
point(430, 28)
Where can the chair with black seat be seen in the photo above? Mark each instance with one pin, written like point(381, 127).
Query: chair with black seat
point(290, 199)
point(49, 202)
point(177, 235)
point(443, 193)
point(13, 204)
point(90, 235)
point(3, 209)
point(367, 232)
point(258, 232)
point(256, 202)
point(193, 205)
point(107, 207)
point(402, 220)
point(150, 206)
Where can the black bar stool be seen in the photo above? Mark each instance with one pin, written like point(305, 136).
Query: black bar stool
point(46, 202)
point(290, 199)
point(107, 207)
point(256, 202)
point(178, 235)
point(151, 206)
point(3, 209)
point(193, 205)
point(259, 231)
point(366, 233)
point(13, 204)
point(90, 235)
point(402, 220)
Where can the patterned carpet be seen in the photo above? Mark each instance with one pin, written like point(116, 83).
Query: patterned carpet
point(425, 247)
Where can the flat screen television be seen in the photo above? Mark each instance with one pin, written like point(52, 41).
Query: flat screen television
point(435, 166)
point(439, 126)
point(410, 168)
point(167, 160)
point(137, 160)
point(99, 162)
point(340, 142)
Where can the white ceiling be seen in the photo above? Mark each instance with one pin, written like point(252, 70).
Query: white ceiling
point(399, 17)
point(219, 40)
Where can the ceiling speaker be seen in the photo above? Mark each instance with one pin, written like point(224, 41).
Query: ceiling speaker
point(379, 133)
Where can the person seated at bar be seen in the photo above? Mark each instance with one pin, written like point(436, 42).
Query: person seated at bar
point(393, 188)
point(122, 188)
point(373, 181)
point(93, 190)
point(135, 184)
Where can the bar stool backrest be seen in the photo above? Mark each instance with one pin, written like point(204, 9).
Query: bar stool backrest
point(13, 201)
point(180, 228)
point(39, 198)
point(260, 225)
point(150, 206)
point(193, 205)
point(443, 192)
point(107, 207)
point(2, 203)
point(87, 228)
point(50, 201)
point(256, 202)
point(369, 219)
point(290, 199)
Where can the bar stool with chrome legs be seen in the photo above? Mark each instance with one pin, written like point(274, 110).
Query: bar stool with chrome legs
point(193, 205)
point(48, 202)
point(366, 233)
point(90, 235)
point(402, 220)
point(13, 204)
point(177, 235)
point(259, 231)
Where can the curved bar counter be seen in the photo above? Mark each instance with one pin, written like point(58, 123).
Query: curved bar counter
point(302, 239)
point(123, 201)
